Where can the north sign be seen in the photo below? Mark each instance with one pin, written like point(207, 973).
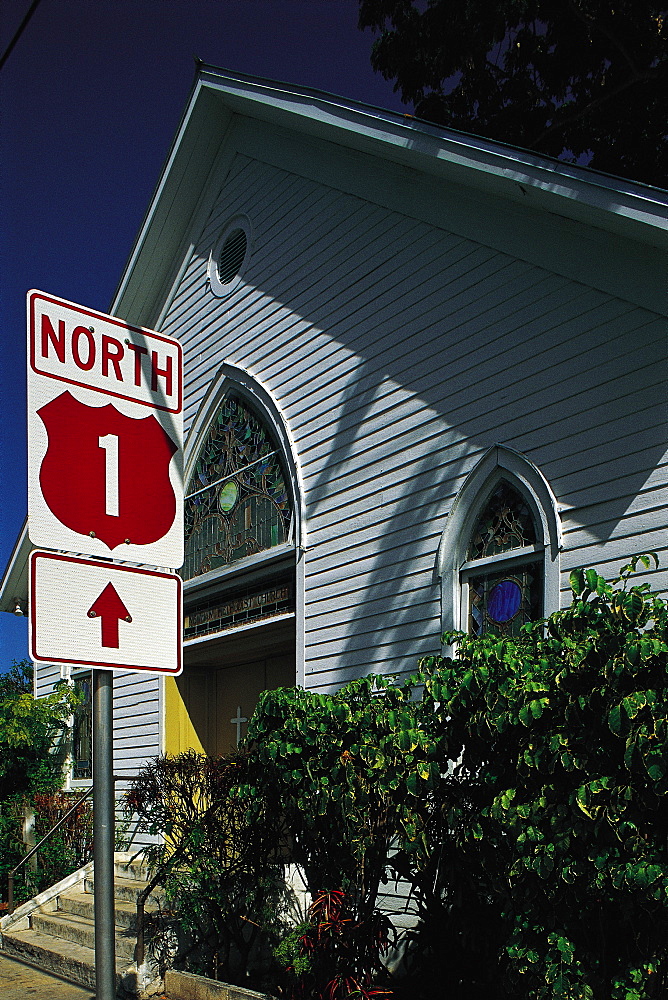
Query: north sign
point(105, 435)
point(100, 614)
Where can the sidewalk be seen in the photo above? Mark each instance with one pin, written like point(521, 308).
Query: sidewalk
point(18, 981)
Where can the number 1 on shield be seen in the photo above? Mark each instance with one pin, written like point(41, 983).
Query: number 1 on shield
point(109, 444)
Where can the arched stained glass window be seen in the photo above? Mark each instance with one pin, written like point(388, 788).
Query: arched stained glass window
point(504, 524)
point(237, 501)
point(502, 598)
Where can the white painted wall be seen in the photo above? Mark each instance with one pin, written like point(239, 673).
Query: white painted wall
point(400, 351)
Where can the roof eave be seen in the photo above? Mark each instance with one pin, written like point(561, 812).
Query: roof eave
point(633, 210)
point(14, 583)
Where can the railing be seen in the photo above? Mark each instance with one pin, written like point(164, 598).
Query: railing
point(56, 826)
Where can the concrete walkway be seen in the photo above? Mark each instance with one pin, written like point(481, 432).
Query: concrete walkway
point(19, 981)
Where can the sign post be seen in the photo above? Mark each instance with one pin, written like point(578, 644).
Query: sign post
point(104, 821)
point(105, 488)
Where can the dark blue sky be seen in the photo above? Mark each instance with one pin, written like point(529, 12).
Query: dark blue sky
point(90, 99)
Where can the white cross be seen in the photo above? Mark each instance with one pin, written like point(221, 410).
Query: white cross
point(238, 722)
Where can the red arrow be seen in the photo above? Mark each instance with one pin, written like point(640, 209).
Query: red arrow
point(110, 609)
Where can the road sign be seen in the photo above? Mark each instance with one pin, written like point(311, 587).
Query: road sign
point(101, 614)
point(105, 435)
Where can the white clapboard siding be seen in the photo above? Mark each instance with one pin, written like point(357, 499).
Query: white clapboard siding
point(399, 352)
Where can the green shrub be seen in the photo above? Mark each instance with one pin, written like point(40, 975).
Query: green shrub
point(519, 787)
point(32, 751)
point(222, 875)
point(558, 805)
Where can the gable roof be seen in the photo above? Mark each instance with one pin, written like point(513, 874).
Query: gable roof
point(629, 210)
point(622, 207)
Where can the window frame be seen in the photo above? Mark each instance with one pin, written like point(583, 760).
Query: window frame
point(231, 378)
point(81, 782)
point(455, 570)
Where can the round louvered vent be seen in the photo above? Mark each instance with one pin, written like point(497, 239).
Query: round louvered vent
point(230, 256)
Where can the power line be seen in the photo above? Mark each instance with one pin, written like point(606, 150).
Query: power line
point(19, 32)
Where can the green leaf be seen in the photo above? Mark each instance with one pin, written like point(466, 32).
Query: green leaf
point(581, 799)
point(525, 715)
point(537, 707)
point(615, 719)
point(413, 783)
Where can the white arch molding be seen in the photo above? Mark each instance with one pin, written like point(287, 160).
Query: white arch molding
point(231, 378)
point(498, 463)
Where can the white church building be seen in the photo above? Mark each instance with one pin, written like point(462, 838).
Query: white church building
point(425, 378)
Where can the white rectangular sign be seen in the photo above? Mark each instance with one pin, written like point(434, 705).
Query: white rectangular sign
point(105, 435)
point(100, 614)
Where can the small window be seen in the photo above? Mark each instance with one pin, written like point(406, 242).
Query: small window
point(504, 524)
point(499, 554)
point(500, 603)
point(82, 732)
point(230, 256)
point(502, 583)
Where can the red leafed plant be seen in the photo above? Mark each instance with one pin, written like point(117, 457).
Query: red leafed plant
point(338, 956)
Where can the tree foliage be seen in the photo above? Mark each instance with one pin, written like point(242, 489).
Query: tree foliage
point(33, 744)
point(518, 788)
point(583, 80)
point(30, 729)
point(222, 875)
point(353, 776)
point(561, 741)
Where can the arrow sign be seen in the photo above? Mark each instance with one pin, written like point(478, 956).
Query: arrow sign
point(110, 609)
point(61, 630)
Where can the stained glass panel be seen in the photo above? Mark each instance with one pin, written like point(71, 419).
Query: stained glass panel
point(237, 502)
point(501, 602)
point(504, 524)
point(82, 733)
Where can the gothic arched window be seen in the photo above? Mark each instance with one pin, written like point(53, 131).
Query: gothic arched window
point(237, 501)
point(503, 594)
point(499, 553)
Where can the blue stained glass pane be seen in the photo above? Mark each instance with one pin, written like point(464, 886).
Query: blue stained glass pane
point(500, 603)
point(504, 601)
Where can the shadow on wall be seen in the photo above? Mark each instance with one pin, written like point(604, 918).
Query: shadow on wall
point(400, 354)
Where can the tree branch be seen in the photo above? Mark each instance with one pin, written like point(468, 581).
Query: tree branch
point(596, 103)
point(592, 23)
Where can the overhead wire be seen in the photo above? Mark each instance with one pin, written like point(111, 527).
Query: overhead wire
point(19, 31)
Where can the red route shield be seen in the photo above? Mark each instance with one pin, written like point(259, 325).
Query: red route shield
point(80, 483)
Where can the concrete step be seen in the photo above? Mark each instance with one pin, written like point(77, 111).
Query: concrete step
point(82, 904)
point(128, 889)
point(81, 930)
point(132, 869)
point(63, 958)
point(62, 940)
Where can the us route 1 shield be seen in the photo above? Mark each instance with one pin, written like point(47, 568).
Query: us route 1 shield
point(100, 614)
point(105, 435)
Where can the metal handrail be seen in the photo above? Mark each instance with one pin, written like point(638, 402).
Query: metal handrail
point(56, 826)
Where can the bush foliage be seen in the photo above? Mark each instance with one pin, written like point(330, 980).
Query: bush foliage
point(222, 875)
point(561, 741)
point(33, 745)
point(517, 787)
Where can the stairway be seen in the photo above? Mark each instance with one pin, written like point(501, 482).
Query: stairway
point(61, 935)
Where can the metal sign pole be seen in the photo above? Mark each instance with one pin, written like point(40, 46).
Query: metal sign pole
point(103, 834)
